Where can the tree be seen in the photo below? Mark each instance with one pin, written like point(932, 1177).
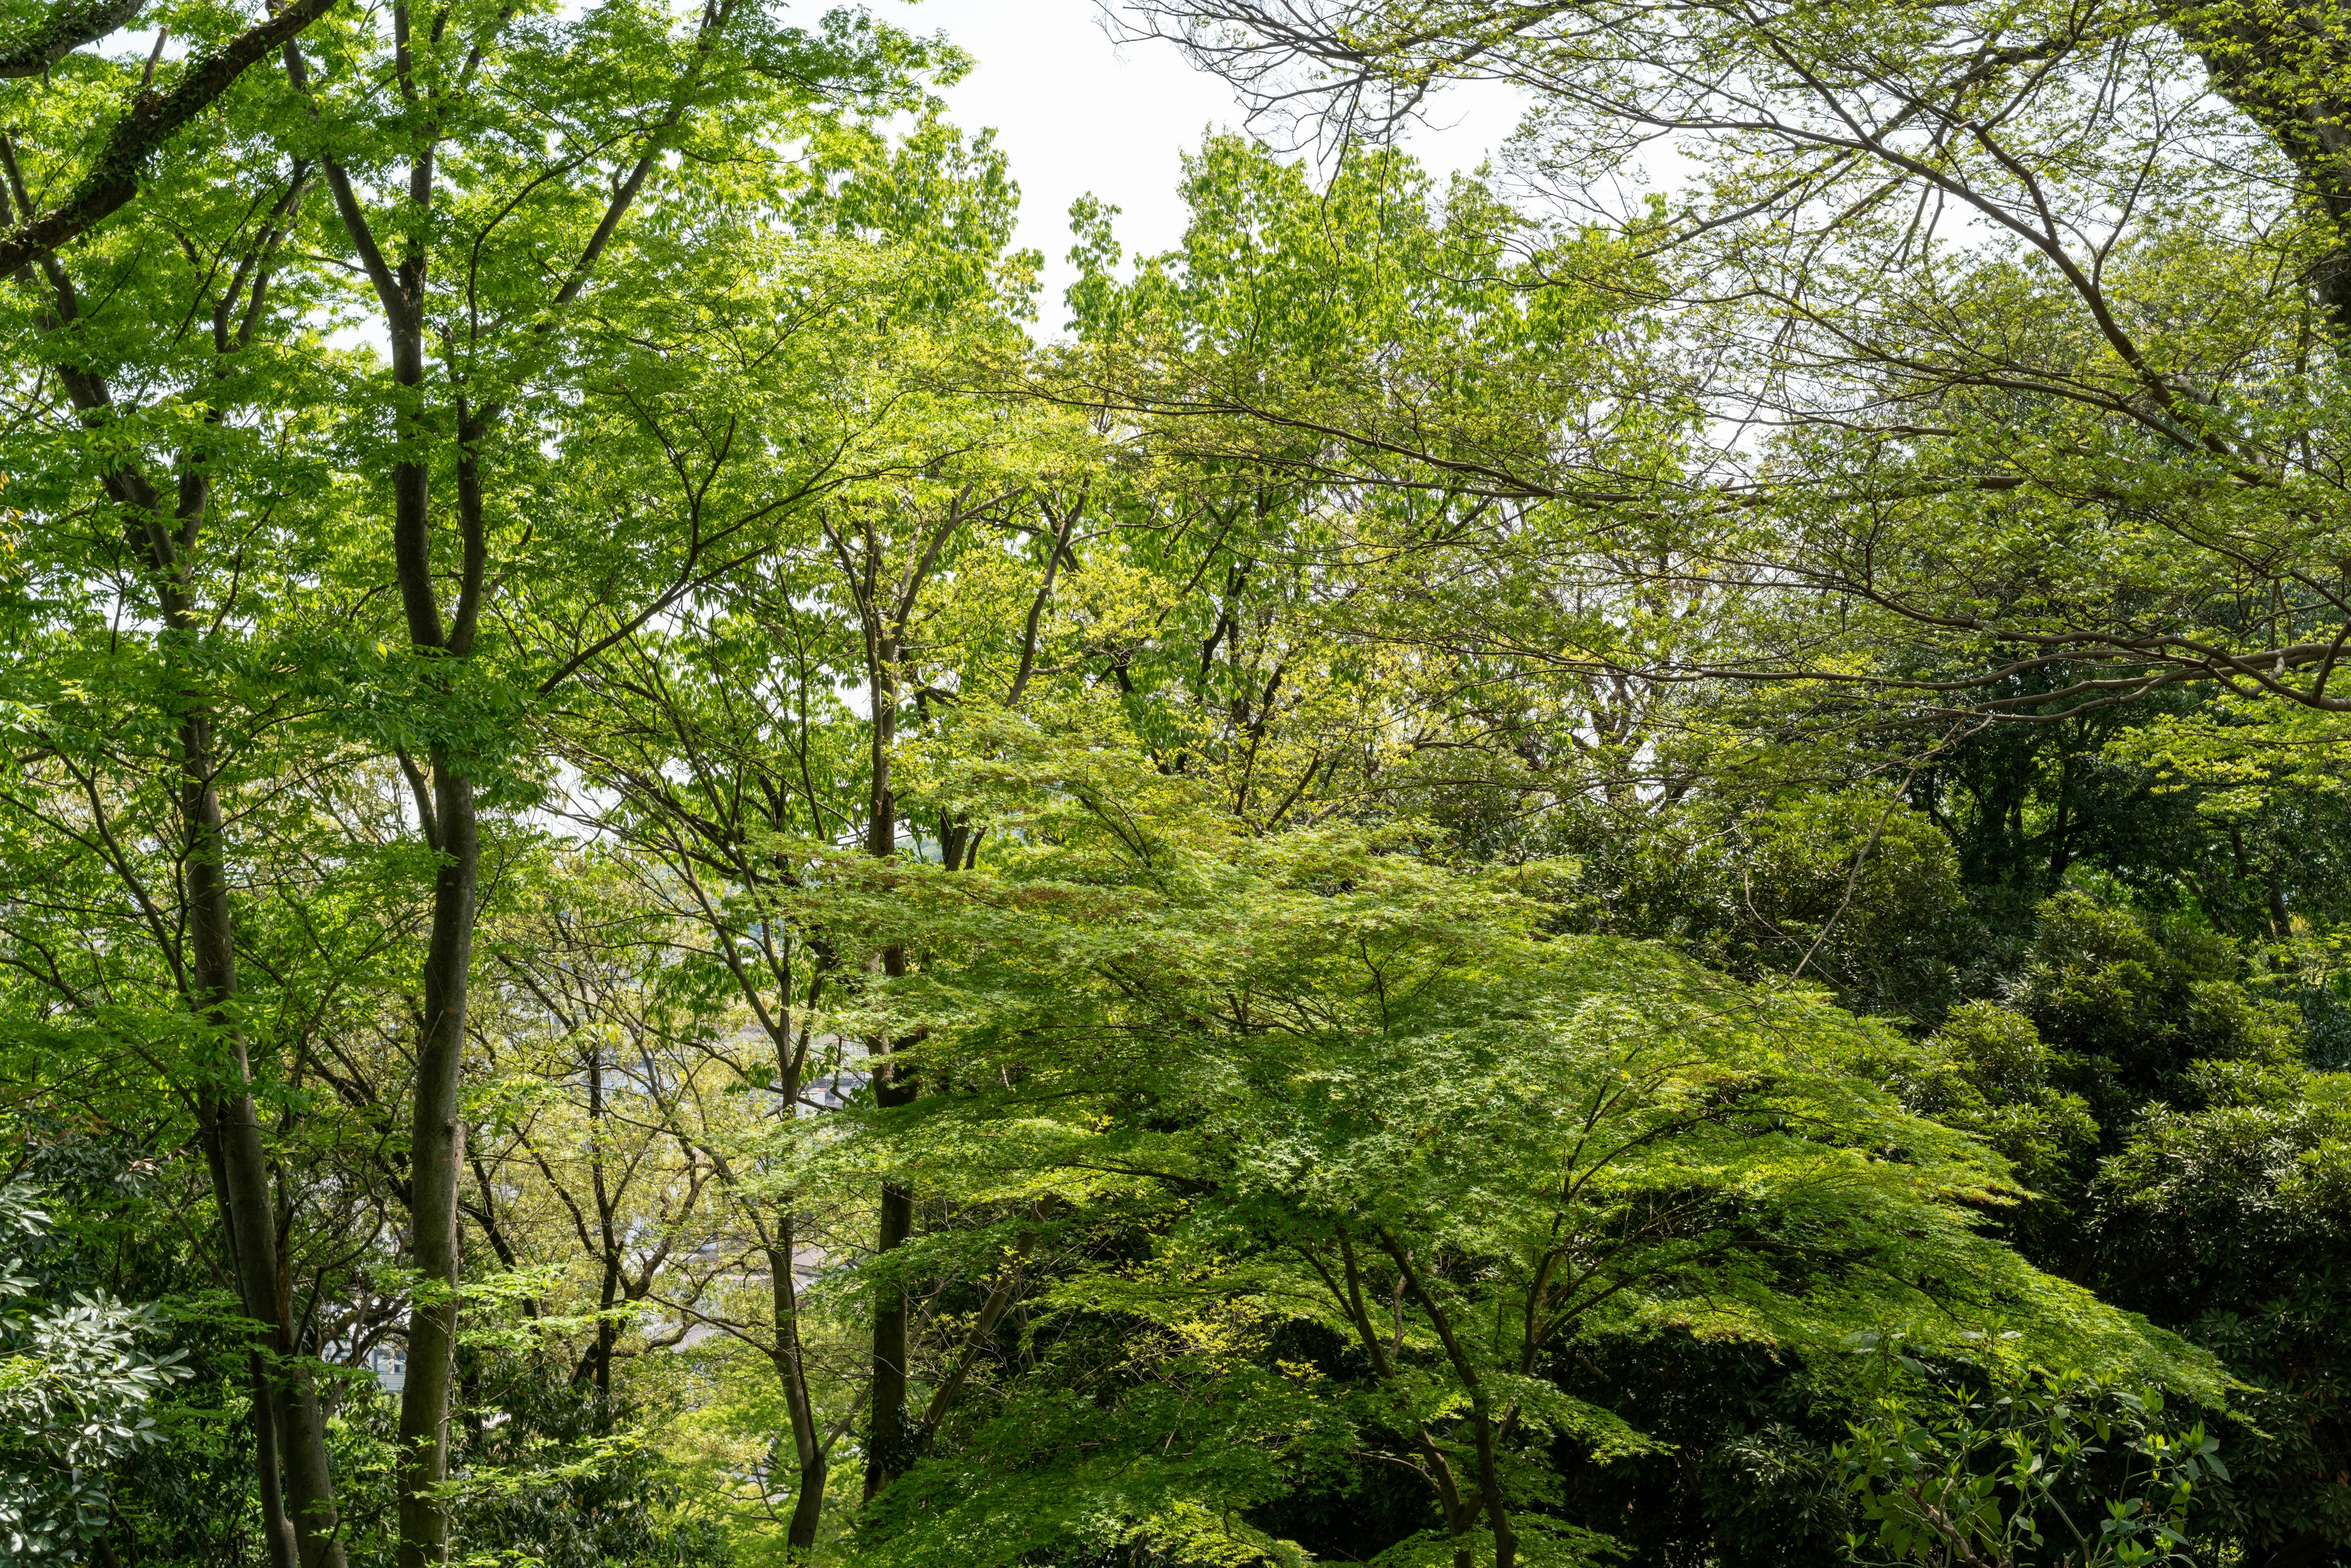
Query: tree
point(723, 737)
point(2213, 1216)
point(1975, 384)
point(1240, 939)
point(294, 589)
point(482, 237)
point(1333, 1084)
point(130, 748)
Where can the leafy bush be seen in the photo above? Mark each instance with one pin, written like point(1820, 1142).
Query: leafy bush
point(76, 1376)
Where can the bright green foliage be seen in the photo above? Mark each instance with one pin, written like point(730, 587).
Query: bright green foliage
point(1382, 900)
point(565, 1480)
point(1346, 608)
point(1376, 302)
point(1323, 1083)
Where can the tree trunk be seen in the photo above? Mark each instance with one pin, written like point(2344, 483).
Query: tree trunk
point(596, 1366)
point(1482, 1425)
point(290, 1439)
point(892, 1443)
point(289, 1402)
point(277, 1530)
point(791, 1369)
point(437, 1154)
point(2287, 68)
point(888, 1447)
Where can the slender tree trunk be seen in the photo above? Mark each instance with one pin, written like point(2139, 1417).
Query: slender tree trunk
point(890, 1449)
point(277, 1530)
point(807, 1507)
point(596, 1367)
point(1481, 1424)
point(893, 1440)
point(887, 1450)
point(437, 1135)
point(292, 1460)
point(780, 1239)
point(290, 1402)
point(1460, 1513)
point(983, 1328)
point(438, 1150)
point(791, 1369)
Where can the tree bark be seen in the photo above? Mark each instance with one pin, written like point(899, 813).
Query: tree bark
point(595, 1367)
point(277, 1530)
point(791, 1369)
point(983, 1326)
point(293, 1413)
point(68, 25)
point(436, 1132)
point(1460, 1513)
point(891, 1443)
point(437, 1154)
point(1482, 1425)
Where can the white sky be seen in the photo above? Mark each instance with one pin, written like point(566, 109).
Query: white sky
point(1076, 113)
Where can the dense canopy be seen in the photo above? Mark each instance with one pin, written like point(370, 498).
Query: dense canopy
point(1636, 858)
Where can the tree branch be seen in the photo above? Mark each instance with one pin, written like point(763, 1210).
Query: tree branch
point(154, 115)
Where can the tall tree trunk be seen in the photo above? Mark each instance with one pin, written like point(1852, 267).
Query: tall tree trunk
point(2287, 68)
point(252, 1259)
point(290, 1409)
point(808, 1447)
point(276, 1529)
point(595, 1367)
point(290, 1451)
point(437, 1152)
point(1481, 1424)
point(780, 1235)
point(891, 1441)
point(452, 828)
